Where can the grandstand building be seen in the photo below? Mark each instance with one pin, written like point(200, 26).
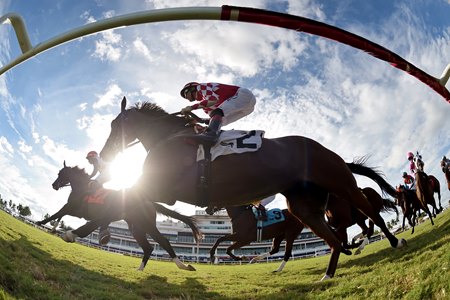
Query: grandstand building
point(212, 227)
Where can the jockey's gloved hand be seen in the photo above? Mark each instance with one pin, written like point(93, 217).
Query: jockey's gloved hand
point(186, 110)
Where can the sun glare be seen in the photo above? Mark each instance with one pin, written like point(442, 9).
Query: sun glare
point(126, 168)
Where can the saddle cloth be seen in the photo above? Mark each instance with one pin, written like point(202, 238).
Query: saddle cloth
point(232, 142)
point(98, 197)
point(274, 215)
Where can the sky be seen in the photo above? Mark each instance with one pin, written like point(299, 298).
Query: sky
point(58, 105)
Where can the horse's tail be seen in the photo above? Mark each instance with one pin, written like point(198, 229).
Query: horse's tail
point(358, 167)
point(190, 221)
point(389, 205)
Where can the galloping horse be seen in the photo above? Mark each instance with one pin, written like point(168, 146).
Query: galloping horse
point(445, 165)
point(284, 226)
point(410, 204)
point(286, 165)
point(141, 217)
point(425, 193)
point(341, 215)
point(435, 186)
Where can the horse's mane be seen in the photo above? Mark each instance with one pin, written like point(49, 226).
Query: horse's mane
point(150, 109)
point(155, 111)
point(79, 171)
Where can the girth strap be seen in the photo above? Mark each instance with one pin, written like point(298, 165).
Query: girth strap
point(203, 178)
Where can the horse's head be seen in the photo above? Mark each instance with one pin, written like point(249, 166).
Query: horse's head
point(122, 133)
point(63, 178)
point(146, 122)
point(69, 176)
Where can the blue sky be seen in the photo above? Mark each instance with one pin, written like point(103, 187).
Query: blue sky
point(58, 105)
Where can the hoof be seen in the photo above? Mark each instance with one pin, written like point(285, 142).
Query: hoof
point(69, 236)
point(346, 252)
point(326, 277)
point(402, 243)
point(191, 268)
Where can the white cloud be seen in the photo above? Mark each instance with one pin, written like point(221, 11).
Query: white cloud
point(5, 146)
point(113, 91)
point(108, 47)
point(24, 147)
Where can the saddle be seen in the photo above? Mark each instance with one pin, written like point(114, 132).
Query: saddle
point(230, 142)
point(97, 197)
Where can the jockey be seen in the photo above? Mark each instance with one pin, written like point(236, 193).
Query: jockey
point(419, 162)
point(445, 163)
point(409, 181)
point(412, 165)
point(261, 206)
point(103, 168)
point(223, 103)
point(100, 167)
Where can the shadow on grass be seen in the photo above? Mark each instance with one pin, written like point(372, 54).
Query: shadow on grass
point(28, 272)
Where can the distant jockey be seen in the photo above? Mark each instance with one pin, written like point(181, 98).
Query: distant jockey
point(412, 165)
point(409, 181)
point(419, 162)
point(100, 167)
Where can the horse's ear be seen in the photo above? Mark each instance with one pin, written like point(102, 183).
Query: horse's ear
point(123, 104)
point(64, 164)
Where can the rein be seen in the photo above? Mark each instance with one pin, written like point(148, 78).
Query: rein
point(191, 114)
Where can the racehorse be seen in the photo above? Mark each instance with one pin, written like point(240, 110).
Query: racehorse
point(286, 165)
point(140, 217)
point(282, 225)
point(435, 186)
point(425, 193)
point(341, 215)
point(410, 204)
point(446, 170)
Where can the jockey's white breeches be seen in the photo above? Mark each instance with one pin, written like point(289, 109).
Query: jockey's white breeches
point(238, 106)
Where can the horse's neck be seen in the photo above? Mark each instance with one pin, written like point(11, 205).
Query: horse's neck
point(79, 185)
point(150, 137)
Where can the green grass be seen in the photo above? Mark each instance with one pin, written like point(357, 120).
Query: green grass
point(38, 265)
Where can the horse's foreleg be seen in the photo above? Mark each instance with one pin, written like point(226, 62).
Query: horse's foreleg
point(287, 254)
point(161, 240)
point(236, 245)
point(228, 237)
point(141, 238)
point(276, 242)
point(309, 208)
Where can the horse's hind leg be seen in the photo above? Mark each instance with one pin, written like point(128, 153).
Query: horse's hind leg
point(359, 200)
point(309, 207)
point(141, 238)
point(276, 242)
point(228, 237)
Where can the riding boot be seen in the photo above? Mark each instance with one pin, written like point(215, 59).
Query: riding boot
point(211, 135)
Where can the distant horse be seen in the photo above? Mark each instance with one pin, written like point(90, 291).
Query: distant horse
point(285, 165)
point(341, 215)
point(445, 165)
point(425, 193)
point(410, 204)
point(435, 186)
point(140, 216)
point(282, 225)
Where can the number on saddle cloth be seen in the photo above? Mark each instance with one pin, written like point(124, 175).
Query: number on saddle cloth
point(274, 215)
point(234, 141)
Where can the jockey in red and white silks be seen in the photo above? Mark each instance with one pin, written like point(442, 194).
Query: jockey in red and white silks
point(222, 102)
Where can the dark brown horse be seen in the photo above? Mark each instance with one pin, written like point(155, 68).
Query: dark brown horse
point(341, 215)
point(445, 165)
point(425, 193)
point(285, 165)
point(140, 216)
point(281, 225)
point(410, 204)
